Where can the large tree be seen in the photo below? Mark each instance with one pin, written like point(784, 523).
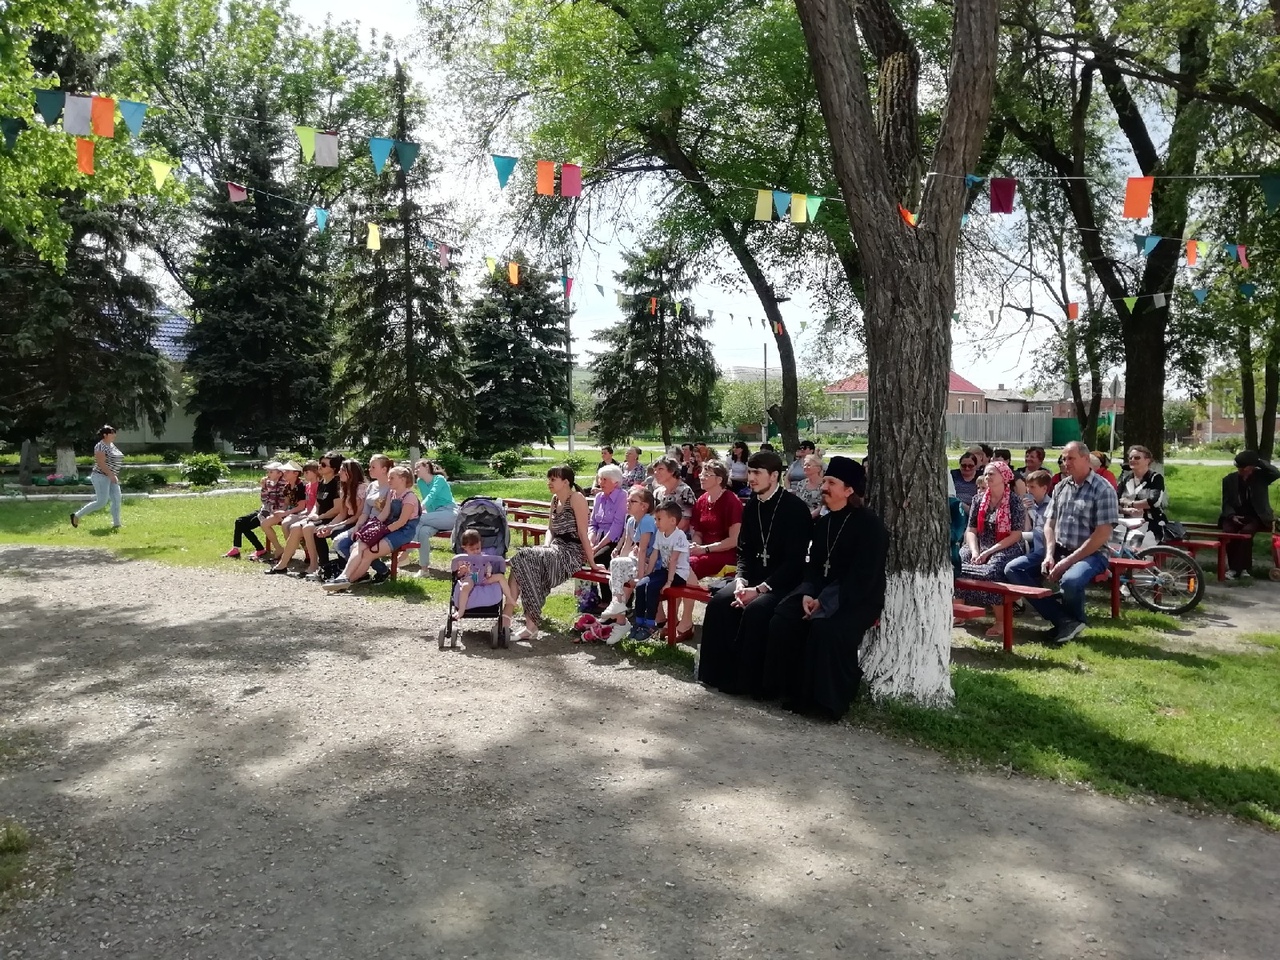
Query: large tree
point(260, 343)
point(655, 367)
point(516, 336)
point(909, 294)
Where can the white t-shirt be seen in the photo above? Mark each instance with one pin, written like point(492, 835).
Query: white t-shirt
point(677, 543)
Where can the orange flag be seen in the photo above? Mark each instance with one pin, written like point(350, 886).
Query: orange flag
point(513, 272)
point(546, 178)
point(1192, 250)
point(653, 305)
point(1073, 311)
point(103, 114)
point(1137, 197)
point(84, 154)
point(907, 215)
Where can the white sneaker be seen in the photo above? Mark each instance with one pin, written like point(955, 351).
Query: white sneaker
point(619, 632)
point(1245, 575)
point(1231, 575)
point(615, 608)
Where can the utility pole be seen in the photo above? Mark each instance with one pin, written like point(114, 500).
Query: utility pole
point(412, 420)
point(764, 423)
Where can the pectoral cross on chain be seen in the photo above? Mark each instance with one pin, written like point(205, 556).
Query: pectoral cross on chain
point(764, 556)
point(826, 568)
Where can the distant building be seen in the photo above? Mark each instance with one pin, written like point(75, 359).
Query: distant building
point(851, 401)
point(1001, 400)
point(179, 428)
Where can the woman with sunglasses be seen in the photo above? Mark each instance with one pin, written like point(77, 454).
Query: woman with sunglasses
point(1142, 490)
point(966, 478)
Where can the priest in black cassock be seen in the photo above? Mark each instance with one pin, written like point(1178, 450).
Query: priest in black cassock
point(772, 544)
point(815, 631)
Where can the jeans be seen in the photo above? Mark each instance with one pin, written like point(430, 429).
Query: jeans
point(442, 518)
point(342, 547)
point(1067, 605)
point(649, 593)
point(104, 491)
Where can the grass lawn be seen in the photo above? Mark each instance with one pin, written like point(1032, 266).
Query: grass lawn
point(1127, 709)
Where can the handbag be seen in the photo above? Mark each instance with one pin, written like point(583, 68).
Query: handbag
point(372, 532)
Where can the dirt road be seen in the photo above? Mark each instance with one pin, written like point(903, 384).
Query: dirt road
point(232, 766)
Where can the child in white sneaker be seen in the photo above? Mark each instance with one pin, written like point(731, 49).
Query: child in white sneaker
point(673, 569)
point(477, 581)
point(635, 559)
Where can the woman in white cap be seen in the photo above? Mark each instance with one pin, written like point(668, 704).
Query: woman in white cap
point(271, 493)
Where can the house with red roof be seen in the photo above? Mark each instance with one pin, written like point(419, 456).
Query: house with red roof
point(850, 397)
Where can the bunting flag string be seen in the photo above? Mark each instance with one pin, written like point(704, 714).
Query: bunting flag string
point(406, 154)
point(236, 193)
point(160, 171)
point(76, 116)
point(504, 166)
point(103, 116)
point(307, 141)
point(1137, 197)
point(327, 149)
point(84, 155)
point(1002, 191)
point(49, 104)
point(11, 127)
point(380, 150)
point(133, 112)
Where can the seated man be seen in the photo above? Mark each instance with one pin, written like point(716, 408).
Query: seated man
point(1082, 513)
point(1246, 508)
point(816, 630)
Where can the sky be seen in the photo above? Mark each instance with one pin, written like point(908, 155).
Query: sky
point(736, 342)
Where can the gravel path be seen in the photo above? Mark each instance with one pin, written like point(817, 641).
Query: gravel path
point(227, 766)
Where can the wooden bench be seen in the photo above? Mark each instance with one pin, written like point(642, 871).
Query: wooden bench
point(1116, 566)
point(1009, 592)
point(527, 530)
point(413, 545)
point(1214, 539)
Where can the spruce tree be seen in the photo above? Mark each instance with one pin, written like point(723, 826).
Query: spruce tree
point(260, 340)
point(518, 363)
point(399, 379)
point(655, 368)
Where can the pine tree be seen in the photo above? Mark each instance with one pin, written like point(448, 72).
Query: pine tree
point(259, 356)
point(399, 379)
point(518, 359)
point(75, 347)
point(656, 367)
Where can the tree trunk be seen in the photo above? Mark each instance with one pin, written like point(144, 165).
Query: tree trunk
point(28, 462)
point(66, 462)
point(1270, 392)
point(1248, 389)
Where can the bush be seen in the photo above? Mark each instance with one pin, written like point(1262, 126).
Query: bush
point(1103, 441)
point(1231, 445)
point(203, 469)
point(143, 480)
point(448, 456)
point(505, 463)
point(579, 464)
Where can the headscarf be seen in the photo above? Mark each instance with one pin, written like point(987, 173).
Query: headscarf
point(1003, 523)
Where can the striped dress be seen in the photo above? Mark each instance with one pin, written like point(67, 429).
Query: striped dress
point(540, 569)
point(111, 453)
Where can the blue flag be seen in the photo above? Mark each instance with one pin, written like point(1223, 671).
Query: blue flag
point(50, 103)
point(1149, 244)
point(972, 180)
point(1248, 289)
point(322, 218)
point(781, 200)
point(380, 148)
point(406, 153)
point(133, 113)
point(504, 165)
point(1201, 293)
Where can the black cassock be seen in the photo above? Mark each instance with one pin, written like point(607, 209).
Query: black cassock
point(817, 658)
point(772, 544)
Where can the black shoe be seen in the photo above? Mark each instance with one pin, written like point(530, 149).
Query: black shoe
point(271, 570)
point(381, 577)
point(1067, 631)
point(75, 521)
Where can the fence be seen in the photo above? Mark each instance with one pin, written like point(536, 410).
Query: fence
point(1000, 429)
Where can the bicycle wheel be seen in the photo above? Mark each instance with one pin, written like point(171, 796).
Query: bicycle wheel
point(1174, 585)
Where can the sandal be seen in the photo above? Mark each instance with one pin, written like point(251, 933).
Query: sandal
point(524, 633)
point(996, 631)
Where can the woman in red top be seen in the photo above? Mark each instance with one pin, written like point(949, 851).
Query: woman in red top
point(717, 518)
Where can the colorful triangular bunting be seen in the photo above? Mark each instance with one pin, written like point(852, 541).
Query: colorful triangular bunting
point(799, 207)
point(160, 171)
point(327, 149)
point(307, 141)
point(322, 218)
point(764, 205)
point(49, 104)
point(380, 150)
point(133, 112)
point(84, 155)
point(781, 200)
point(407, 154)
point(1149, 245)
point(812, 206)
point(375, 237)
point(1201, 293)
point(11, 127)
point(1137, 197)
point(570, 180)
point(1130, 303)
point(236, 193)
point(75, 115)
point(103, 114)
point(503, 165)
point(1270, 189)
point(1002, 191)
point(545, 181)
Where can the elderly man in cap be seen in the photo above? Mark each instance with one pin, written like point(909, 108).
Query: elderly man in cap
point(1246, 508)
point(816, 630)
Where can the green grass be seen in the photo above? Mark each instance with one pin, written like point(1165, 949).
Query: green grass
point(15, 846)
point(1121, 712)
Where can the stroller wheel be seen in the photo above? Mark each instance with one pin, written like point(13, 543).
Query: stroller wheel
point(1275, 573)
point(440, 638)
point(495, 636)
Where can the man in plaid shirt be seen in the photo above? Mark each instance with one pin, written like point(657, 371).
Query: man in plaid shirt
point(1079, 522)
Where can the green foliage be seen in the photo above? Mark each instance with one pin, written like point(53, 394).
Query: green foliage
point(1179, 417)
point(505, 463)
point(449, 457)
point(15, 845)
point(579, 464)
point(518, 364)
point(1102, 438)
point(653, 368)
point(141, 481)
point(203, 469)
point(744, 401)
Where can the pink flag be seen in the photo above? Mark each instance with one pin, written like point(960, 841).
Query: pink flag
point(444, 256)
point(570, 180)
point(568, 286)
point(236, 192)
point(1002, 191)
point(1244, 260)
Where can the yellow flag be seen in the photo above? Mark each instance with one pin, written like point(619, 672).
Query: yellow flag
point(493, 266)
point(160, 171)
point(307, 140)
point(799, 207)
point(375, 237)
point(764, 204)
point(513, 272)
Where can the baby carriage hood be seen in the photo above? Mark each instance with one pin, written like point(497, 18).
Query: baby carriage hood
point(487, 518)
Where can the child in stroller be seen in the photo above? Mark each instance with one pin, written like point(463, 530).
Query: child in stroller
point(477, 577)
point(481, 539)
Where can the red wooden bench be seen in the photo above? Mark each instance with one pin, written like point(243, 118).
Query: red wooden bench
point(1213, 539)
point(1009, 592)
point(527, 530)
point(1116, 567)
point(413, 545)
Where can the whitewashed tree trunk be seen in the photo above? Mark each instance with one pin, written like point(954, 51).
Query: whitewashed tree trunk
point(908, 656)
point(66, 461)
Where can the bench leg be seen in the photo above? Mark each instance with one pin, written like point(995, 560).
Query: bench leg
point(1115, 595)
point(672, 626)
point(1222, 560)
point(395, 563)
point(1007, 640)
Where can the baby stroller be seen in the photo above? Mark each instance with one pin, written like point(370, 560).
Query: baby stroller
point(489, 519)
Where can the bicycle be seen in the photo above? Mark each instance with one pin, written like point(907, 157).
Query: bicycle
point(1174, 585)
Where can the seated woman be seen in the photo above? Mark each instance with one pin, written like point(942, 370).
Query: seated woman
point(667, 485)
point(738, 467)
point(966, 479)
point(716, 522)
point(691, 468)
point(535, 571)
point(439, 509)
point(810, 488)
point(632, 469)
point(992, 539)
point(1142, 491)
point(325, 506)
point(399, 512)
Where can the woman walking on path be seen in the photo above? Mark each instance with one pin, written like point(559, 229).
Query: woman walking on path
point(107, 461)
point(535, 571)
